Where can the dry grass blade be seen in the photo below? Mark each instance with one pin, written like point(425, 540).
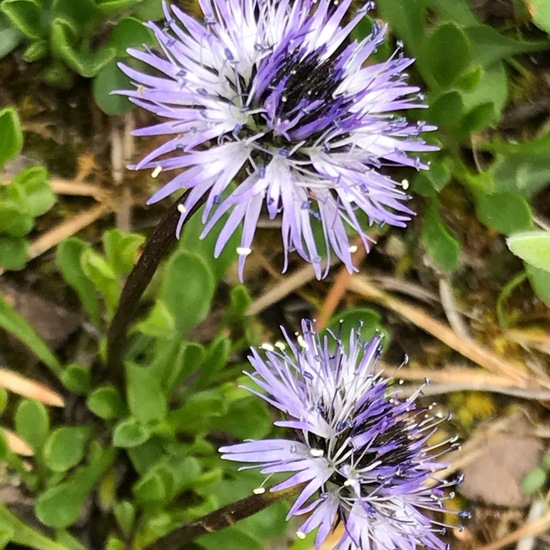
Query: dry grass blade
point(455, 379)
point(452, 374)
point(442, 389)
point(62, 186)
point(284, 288)
point(339, 287)
point(16, 444)
point(537, 338)
point(528, 530)
point(29, 388)
point(465, 346)
point(122, 150)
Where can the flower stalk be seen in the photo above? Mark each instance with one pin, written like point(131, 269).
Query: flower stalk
point(154, 251)
point(222, 518)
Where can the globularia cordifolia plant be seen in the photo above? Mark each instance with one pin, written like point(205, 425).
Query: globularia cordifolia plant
point(360, 454)
point(272, 95)
point(270, 104)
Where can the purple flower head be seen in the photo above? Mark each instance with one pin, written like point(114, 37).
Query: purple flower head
point(273, 96)
point(361, 454)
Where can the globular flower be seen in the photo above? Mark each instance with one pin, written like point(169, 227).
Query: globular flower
point(274, 96)
point(360, 455)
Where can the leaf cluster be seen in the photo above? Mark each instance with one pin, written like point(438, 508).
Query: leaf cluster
point(467, 67)
point(85, 37)
point(27, 196)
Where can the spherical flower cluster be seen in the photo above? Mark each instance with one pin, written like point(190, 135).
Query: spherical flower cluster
point(360, 454)
point(273, 96)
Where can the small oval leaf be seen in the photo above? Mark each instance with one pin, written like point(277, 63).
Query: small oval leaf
point(64, 447)
point(532, 247)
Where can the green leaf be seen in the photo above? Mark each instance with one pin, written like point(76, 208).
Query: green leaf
point(83, 15)
point(121, 249)
point(151, 488)
point(471, 79)
point(58, 75)
point(25, 16)
point(430, 182)
point(240, 301)
point(304, 544)
point(3, 400)
point(147, 454)
point(12, 322)
point(103, 276)
point(540, 12)
point(14, 220)
point(64, 447)
point(158, 324)
point(216, 358)
point(68, 258)
point(11, 135)
point(492, 88)
point(187, 473)
point(36, 189)
point(447, 111)
point(191, 241)
point(111, 7)
point(69, 541)
point(490, 45)
point(6, 535)
point(479, 118)
point(198, 412)
point(106, 402)
point(36, 51)
point(534, 481)
point(407, 20)
point(505, 211)
point(539, 280)
point(32, 422)
point(130, 433)
point(246, 418)
point(180, 361)
point(442, 246)
point(366, 319)
point(532, 247)
point(82, 61)
point(125, 515)
point(21, 533)
point(454, 10)
point(10, 37)
point(479, 182)
point(145, 397)
point(268, 524)
point(129, 32)
point(59, 506)
point(109, 79)
point(76, 378)
point(14, 253)
point(523, 167)
point(149, 10)
point(14, 462)
point(230, 539)
point(448, 53)
point(187, 289)
point(115, 544)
